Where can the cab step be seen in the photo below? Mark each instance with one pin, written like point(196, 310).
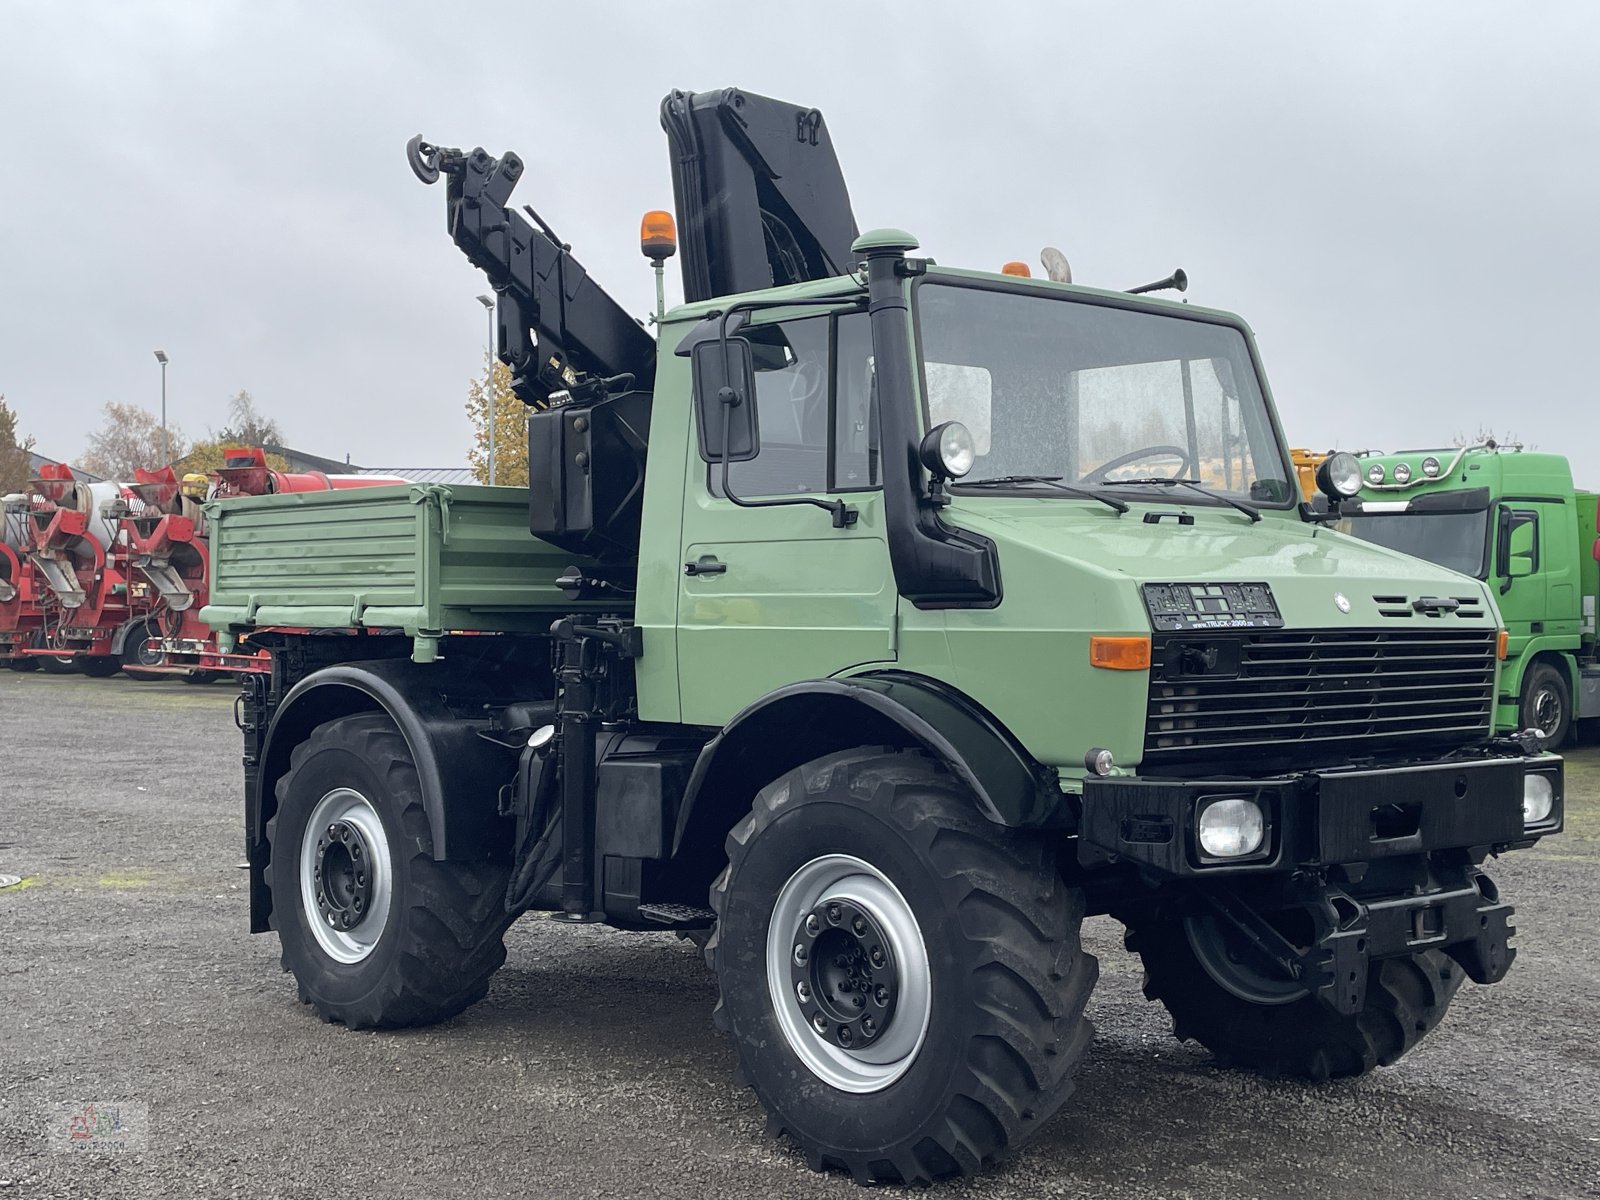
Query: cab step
point(678, 916)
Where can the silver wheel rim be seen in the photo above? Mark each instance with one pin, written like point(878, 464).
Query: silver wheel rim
point(1237, 974)
point(873, 1067)
point(352, 808)
point(1546, 712)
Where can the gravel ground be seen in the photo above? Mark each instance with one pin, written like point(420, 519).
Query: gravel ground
point(127, 978)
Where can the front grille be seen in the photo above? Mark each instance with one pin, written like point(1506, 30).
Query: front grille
point(1269, 692)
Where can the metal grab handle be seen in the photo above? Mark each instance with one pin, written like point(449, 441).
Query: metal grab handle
point(706, 565)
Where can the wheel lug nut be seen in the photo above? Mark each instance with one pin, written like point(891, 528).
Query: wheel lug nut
point(858, 1001)
point(845, 1036)
point(803, 990)
point(859, 925)
point(868, 1027)
point(800, 954)
point(881, 995)
point(820, 1023)
point(812, 924)
point(835, 914)
point(877, 956)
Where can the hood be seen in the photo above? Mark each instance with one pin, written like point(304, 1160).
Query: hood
point(1307, 567)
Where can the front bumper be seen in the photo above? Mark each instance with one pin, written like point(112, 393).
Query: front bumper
point(1316, 819)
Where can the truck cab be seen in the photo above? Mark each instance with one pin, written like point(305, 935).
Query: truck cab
point(1513, 520)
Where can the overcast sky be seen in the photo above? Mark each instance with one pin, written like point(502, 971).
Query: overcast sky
point(1402, 199)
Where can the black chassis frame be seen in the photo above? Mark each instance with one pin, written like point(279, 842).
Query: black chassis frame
point(1374, 861)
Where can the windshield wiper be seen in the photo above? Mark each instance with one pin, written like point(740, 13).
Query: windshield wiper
point(1053, 481)
point(1194, 484)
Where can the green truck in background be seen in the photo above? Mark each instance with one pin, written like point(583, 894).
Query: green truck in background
point(873, 625)
point(1511, 519)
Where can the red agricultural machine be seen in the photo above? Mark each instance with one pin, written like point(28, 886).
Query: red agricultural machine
point(101, 577)
point(87, 600)
point(163, 526)
point(245, 473)
point(20, 614)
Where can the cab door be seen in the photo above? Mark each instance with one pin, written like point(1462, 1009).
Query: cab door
point(776, 594)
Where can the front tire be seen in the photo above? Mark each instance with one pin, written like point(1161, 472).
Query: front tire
point(1250, 1019)
point(377, 933)
point(1546, 705)
point(925, 1014)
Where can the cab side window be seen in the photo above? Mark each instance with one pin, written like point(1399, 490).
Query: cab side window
point(816, 410)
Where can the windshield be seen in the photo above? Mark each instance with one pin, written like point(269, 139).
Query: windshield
point(1457, 540)
point(1093, 394)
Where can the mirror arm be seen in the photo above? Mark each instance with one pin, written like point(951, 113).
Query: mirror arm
point(843, 515)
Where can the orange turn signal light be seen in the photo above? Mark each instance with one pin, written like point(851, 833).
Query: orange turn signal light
point(1019, 269)
point(1503, 646)
point(658, 237)
point(1120, 653)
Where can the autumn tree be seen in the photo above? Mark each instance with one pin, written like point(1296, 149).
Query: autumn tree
point(16, 461)
point(492, 392)
point(129, 438)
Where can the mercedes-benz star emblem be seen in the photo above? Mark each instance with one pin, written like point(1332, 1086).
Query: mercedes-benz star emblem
point(1341, 602)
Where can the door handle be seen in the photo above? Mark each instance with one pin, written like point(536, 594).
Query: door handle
point(706, 564)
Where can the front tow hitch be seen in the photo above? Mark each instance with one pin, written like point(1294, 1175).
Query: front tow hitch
point(1466, 920)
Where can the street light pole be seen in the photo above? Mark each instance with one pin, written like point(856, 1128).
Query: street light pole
point(166, 451)
point(488, 383)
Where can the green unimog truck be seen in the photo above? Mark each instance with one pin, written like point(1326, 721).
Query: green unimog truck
point(874, 624)
point(1514, 520)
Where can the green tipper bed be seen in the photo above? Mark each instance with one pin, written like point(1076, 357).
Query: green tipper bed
point(425, 559)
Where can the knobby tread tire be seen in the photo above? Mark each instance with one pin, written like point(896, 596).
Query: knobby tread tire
point(1405, 1001)
point(444, 937)
point(1015, 937)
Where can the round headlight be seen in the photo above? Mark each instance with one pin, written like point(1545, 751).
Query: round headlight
point(1232, 828)
point(1430, 467)
point(1402, 473)
point(948, 450)
point(1339, 475)
point(1375, 473)
point(1538, 798)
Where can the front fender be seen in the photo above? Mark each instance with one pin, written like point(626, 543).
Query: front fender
point(806, 720)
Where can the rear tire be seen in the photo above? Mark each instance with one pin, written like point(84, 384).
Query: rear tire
point(202, 677)
point(980, 998)
point(23, 662)
point(98, 666)
point(137, 657)
point(1546, 704)
point(52, 664)
point(408, 941)
point(1293, 1033)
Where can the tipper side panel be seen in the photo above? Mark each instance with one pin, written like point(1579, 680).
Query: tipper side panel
point(423, 559)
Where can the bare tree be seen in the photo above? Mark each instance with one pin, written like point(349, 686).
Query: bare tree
point(16, 460)
point(247, 425)
point(1486, 434)
point(130, 438)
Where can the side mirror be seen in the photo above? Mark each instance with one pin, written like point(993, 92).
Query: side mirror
point(725, 400)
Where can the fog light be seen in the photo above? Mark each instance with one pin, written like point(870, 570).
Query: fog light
point(1375, 473)
point(1232, 828)
point(1538, 798)
point(1402, 473)
point(1430, 467)
point(1099, 761)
